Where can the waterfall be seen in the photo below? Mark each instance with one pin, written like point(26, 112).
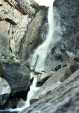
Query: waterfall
point(33, 90)
point(41, 53)
point(38, 59)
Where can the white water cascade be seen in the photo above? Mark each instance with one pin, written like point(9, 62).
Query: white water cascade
point(41, 53)
point(33, 90)
point(38, 59)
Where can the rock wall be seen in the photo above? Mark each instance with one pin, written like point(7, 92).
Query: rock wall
point(67, 13)
point(20, 23)
point(18, 18)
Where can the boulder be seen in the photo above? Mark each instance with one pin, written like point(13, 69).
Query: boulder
point(17, 75)
point(5, 91)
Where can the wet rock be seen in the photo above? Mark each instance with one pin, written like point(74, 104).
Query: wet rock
point(70, 69)
point(15, 100)
point(21, 103)
point(17, 75)
point(74, 67)
point(63, 99)
point(49, 81)
point(5, 91)
point(53, 80)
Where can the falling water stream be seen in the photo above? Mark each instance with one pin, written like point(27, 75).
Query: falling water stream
point(43, 50)
point(41, 53)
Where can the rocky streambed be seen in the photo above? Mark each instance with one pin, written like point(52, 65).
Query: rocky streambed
point(23, 28)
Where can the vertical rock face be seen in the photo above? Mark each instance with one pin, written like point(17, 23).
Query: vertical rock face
point(67, 13)
point(32, 38)
point(69, 18)
point(17, 32)
point(19, 18)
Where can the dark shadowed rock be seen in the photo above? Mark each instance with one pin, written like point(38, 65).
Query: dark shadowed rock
point(16, 74)
point(68, 11)
point(5, 91)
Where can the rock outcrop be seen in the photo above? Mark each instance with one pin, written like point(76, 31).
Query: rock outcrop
point(19, 17)
point(32, 38)
point(5, 91)
point(62, 99)
point(66, 20)
point(17, 75)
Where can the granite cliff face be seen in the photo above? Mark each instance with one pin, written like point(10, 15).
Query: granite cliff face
point(23, 28)
point(66, 26)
